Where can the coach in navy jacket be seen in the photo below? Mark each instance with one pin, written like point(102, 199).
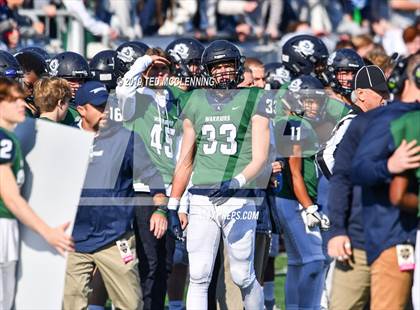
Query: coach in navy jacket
point(103, 227)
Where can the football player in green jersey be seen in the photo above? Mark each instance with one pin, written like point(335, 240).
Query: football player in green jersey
point(13, 206)
point(52, 97)
point(185, 54)
point(225, 146)
point(299, 216)
point(406, 133)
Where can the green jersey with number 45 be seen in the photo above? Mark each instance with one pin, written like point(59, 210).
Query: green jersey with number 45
point(407, 127)
point(154, 120)
point(10, 153)
point(223, 127)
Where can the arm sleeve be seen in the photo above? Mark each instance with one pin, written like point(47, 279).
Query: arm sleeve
point(78, 10)
point(126, 89)
point(143, 167)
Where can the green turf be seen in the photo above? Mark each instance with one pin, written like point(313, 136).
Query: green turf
point(281, 268)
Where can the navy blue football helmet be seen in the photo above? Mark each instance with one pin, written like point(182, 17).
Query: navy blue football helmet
point(69, 65)
point(222, 51)
point(184, 52)
point(127, 53)
point(102, 68)
point(276, 75)
point(343, 59)
point(305, 54)
point(9, 66)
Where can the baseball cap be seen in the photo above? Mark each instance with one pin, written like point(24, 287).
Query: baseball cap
point(372, 77)
point(92, 92)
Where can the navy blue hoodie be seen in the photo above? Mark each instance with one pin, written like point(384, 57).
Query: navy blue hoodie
point(106, 207)
point(384, 224)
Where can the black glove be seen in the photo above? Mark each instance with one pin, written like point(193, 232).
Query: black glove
point(175, 225)
point(226, 190)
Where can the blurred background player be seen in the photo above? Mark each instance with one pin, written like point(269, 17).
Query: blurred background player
point(33, 67)
point(300, 218)
point(52, 98)
point(13, 206)
point(75, 70)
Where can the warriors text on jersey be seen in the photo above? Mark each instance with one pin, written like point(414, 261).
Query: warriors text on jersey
point(154, 120)
point(10, 153)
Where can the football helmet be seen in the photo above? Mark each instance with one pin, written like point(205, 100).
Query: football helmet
point(38, 50)
point(102, 68)
point(276, 75)
point(343, 59)
point(218, 52)
point(9, 66)
point(306, 97)
point(32, 61)
point(69, 65)
point(127, 53)
point(184, 52)
point(305, 54)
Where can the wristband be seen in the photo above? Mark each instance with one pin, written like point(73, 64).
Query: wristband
point(173, 203)
point(311, 209)
point(241, 180)
point(160, 211)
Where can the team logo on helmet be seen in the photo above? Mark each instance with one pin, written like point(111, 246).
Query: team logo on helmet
point(126, 54)
point(304, 47)
point(331, 59)
point(282, 75)
point(294, 86)
point(180, 49)
point(54, 64)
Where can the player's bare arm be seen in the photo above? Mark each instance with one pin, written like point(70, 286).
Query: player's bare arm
point(9, 192)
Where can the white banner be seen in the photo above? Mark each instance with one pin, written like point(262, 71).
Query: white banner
point(55, 171)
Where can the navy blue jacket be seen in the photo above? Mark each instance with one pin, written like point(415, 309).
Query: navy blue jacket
point(344, 199)
point(385, 225)
point(106, 207)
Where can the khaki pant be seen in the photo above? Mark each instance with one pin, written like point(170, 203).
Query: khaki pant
point(390, 286)
point(228, 293)
point(121, 280)
point(351, 283)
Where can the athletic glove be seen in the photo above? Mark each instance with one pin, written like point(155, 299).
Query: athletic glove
point(313, 217)
point(227, 190)
point(175, 225)
point(325, 222)
point(173, 219)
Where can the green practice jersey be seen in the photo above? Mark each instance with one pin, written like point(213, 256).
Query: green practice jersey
point(407, 127)
point(154, 121)
point(72, 117)
point(223, 128)
point(335, 110)
point(10, 153)
point(293, 130)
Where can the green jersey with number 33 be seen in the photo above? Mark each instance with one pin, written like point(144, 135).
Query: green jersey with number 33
point(223, 128)
point(10, 153)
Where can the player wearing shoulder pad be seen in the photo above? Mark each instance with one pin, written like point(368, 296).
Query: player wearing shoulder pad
point(299, 215)
point(219, 150)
